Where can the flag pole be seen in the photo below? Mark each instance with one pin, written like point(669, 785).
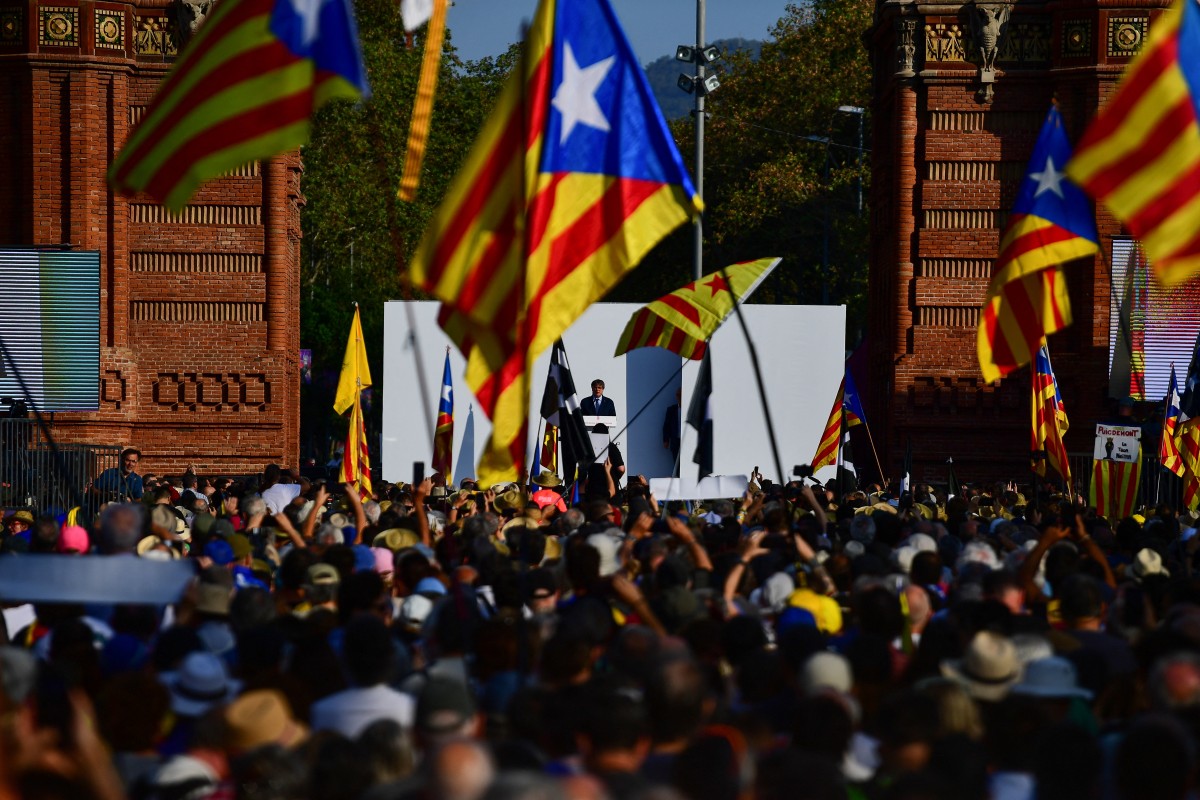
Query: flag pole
point(874, 452)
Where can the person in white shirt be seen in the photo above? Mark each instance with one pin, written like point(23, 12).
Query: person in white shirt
point(369, 655)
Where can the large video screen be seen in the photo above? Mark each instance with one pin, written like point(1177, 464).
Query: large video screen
point(50, 329)
point(1150, 326)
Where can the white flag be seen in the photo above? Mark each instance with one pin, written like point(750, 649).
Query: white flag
point(415, 13)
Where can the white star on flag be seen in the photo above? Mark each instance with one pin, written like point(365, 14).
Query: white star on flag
point(1048, 180)
point(576, 95)
point(309, 12)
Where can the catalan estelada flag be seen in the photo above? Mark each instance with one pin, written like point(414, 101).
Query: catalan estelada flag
point(1114, 487)
point(244, 88)
point(443, 435)
point(1051, 223)
point(1141, 154)
point(831, 437)
point(684, 320)
point(852, 403)
point(1168, 450)
point(573, 179)
point(1048, 419)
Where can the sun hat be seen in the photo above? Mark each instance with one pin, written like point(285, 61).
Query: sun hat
point(1147, 562)
point(200, 683)
point(988, 669)
point(261, 717)
point(396, 539)
point(547, 479)
point(21, 516)
point(1053, 677)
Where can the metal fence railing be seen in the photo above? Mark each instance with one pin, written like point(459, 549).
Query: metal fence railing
point(30, 476)
point(1157, 484)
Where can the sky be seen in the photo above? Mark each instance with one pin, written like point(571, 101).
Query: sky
point(654, 27)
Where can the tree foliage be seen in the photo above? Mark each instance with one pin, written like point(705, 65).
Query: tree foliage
point(772, 187)
point(357, 235)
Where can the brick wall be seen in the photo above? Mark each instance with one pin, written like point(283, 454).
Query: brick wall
point(199, 311)
point(947, 163)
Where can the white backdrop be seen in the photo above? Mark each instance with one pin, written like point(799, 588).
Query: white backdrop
point(800, 349)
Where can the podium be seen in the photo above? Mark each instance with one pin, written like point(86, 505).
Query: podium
point(600, 438)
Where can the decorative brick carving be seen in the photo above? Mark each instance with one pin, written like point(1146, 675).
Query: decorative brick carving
point(1126, 35)
point(195, 262)
point(112, 388)
point(212, 392)
point(906, 48)
point(944, 42)
point(110, 29)
point(12, 26)
point(1026, 43)
point(1077, 38)
point(144, 311)
point(154, 36)
point(58, 26)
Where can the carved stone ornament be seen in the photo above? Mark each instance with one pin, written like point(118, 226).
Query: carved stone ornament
point(906, 48)
point(989, 23)
point(188, 16)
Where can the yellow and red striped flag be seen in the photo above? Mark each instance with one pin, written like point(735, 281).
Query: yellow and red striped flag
point(549, 457)
point(572, 181)
point(1048, 419)
point(684, 320)
point(356, 458)
point(443, 436)
point(1168, 450)
point(1051, 223)
point(355, 376)
point(1114, 488)
point(1188, 442)
point(244, 88)
point(831, 437)
point(1141, 154)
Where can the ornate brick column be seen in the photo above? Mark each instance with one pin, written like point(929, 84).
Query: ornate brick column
point(199, 310)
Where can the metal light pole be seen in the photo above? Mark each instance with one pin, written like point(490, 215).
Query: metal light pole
point(700, 83)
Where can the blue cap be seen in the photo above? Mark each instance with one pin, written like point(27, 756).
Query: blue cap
point(364, 559)
point(430, 586)
point(220, 551)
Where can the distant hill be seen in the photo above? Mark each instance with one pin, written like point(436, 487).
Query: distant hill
point(664, 77)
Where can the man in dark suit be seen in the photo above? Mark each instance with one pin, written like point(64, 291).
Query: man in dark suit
point(598, 405)
point(672, 431)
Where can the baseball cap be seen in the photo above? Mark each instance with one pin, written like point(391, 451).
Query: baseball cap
point(323, 575)
point(444, 706)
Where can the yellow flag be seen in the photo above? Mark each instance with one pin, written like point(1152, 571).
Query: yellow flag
point(356, 375)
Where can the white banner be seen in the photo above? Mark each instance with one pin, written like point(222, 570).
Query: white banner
point(1118, 443)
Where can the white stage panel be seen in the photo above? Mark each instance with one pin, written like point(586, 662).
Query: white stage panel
point(800, 349)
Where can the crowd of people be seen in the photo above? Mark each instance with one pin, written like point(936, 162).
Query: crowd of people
point(470, 642)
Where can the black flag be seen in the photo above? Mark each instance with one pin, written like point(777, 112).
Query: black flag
point(699, 416)
point(561, 409)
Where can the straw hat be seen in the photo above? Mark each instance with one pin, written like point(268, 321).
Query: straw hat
point(988, 669)
point(1147, 562)
point(260, 718)
point(547, 479)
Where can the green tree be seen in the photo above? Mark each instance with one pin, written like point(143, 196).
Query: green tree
point(357, 235)
point(772, 186)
